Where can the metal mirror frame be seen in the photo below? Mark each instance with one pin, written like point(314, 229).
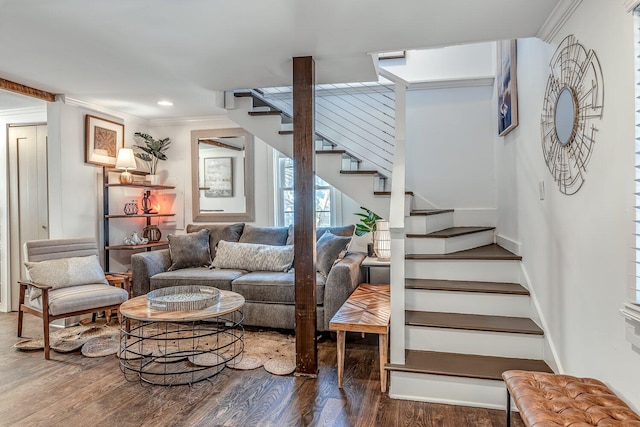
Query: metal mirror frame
point(249, 185)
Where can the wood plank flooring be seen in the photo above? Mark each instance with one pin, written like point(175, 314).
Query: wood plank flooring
point(75, 390)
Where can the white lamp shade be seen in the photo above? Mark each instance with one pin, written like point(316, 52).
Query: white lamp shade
point(382, 240)
point(126, 160)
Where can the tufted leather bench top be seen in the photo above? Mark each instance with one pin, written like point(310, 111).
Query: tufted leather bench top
point(548, 400)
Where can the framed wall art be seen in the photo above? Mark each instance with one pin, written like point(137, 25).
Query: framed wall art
point(506, 82)
point(103, 138)
point(218, 176)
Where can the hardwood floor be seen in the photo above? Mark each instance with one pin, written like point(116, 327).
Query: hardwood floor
point(75, 390)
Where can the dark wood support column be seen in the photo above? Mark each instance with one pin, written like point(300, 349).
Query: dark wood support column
point(304, 217)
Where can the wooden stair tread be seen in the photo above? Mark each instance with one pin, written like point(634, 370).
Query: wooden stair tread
point(388, 193)
point(244, 94)
point(473, 322)
point(359, 172)
point(427, 212)
point(265, 113)
point(285, 132)
point(452, 232)
point(465, 365)
point(488, 252)
point(331, 151)
point(466, 286)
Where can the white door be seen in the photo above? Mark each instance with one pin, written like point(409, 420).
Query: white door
point(28, 195)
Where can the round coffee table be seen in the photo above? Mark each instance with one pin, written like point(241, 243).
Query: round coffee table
point(179, 347)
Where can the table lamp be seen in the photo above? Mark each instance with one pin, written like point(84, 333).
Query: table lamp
point(126, 160)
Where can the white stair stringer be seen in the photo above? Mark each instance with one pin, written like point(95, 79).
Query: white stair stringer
point(485, 343)
point(467, 302)
point(431, 245)
point(328, 166)
point(448, 390)
point(462, 269)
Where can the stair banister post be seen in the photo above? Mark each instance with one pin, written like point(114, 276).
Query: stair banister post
point(396, 221)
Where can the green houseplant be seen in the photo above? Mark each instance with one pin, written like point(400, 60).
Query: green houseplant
point(367, 224)
point(153, 150)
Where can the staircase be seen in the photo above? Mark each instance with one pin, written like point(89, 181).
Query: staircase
point(345, 171)
point(466, 315)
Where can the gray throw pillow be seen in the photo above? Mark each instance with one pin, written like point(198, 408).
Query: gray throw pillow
point(253, 257)
point(340, 230)
point(217, 232)
point(328, 248)
point(189, 250)
point(275, 236)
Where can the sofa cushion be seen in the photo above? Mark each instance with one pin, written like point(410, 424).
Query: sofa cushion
point(328, 248)
point(217, 232)
point(272, 287)
point(189, 250)
point(253, 257)
point(220, 279)
point(65, 272)
point(276, 236)
point(340, 230)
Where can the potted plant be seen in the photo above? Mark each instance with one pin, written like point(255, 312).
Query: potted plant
point(153, 151)
point(367, 224)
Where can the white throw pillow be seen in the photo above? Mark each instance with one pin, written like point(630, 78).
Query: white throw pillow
point(65, 272)
point(253, 256)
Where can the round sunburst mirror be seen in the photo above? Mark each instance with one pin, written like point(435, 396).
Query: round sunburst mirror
point(572, 108)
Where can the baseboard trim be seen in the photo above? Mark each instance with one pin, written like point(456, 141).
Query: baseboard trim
point(449, 402)
point(508, 244)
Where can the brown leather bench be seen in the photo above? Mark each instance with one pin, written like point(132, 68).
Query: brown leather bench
point(547, 400)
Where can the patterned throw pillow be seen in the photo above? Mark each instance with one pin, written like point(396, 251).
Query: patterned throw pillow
point(253, 257)
point(189, 250)
point(65, 272)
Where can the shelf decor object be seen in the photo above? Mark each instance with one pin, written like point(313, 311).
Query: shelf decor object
point(103, 138)
point(153, 151)
point(152, 232)
point(572, 109)
point(126, 160)
point(131, 208)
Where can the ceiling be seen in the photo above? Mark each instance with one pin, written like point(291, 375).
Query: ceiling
point(127, 55)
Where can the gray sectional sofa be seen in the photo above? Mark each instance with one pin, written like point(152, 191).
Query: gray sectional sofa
point(269, 295)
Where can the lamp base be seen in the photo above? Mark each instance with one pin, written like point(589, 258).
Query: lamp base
point(126, 178)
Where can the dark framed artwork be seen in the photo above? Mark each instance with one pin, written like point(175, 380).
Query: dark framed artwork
point(103, 139)
point(507, 85)
point(218, 177)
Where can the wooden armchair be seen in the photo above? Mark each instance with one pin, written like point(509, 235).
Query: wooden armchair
point(65, 300)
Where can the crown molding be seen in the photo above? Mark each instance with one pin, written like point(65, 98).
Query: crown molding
point(556, 20)
point(24, 111)
point(178, 121)
point(94, 107)
point(630, 5)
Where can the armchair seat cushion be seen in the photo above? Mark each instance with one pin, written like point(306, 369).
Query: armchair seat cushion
point(273, 287)
point(220, 279)
point(79, 298)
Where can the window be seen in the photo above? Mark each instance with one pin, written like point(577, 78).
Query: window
point(325, 196)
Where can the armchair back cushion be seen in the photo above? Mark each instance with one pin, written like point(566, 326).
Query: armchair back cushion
point(65, 272)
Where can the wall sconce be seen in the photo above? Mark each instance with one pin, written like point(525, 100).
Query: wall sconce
point(382, 240)
point(126, 160)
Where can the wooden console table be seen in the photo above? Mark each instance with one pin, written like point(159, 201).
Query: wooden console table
point(367, 310)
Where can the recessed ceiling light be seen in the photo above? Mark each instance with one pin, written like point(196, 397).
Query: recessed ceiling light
point(165, 103)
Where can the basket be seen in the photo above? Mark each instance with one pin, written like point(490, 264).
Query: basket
point(183, 298)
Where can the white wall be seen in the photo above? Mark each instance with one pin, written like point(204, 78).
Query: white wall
point(36, 114)
point(449, 150)
point(576, 249)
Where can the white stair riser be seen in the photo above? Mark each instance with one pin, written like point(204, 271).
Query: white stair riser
point(358, 187)
point(467, 302)
point(479, 270)
point(486, 343)
point(425, 224)
point(432, 245)
point(448, 390)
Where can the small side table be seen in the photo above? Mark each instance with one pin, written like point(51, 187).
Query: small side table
point(368, 309)
point(372, 262)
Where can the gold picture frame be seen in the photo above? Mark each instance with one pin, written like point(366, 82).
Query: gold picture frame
point(103, 138)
